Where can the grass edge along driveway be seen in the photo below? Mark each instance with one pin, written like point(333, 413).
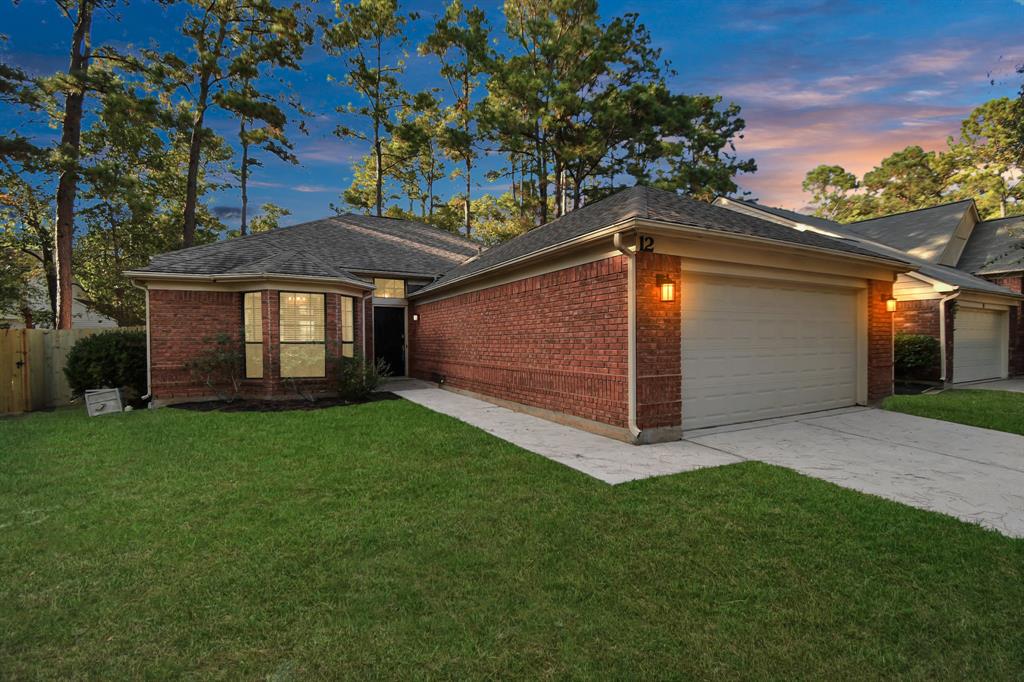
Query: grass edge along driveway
point(390, 541)
point(999, 410)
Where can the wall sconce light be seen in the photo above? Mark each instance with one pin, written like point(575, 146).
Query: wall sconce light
point(415, 317)
point(890, 304)
point(666, 287)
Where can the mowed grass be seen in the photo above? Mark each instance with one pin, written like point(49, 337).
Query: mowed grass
point(1000, 410)
point(384, 540)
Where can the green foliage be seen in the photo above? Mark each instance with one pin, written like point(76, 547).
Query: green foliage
point(984, 163)
point(220, 366)
point(356, 378)
point(916, 356)
point(110, 359)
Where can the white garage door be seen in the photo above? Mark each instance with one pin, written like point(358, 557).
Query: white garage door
point(978, 344)
point(753, 350)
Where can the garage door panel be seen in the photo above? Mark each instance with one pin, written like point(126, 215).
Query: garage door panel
point(754, 351)
point(978, 339)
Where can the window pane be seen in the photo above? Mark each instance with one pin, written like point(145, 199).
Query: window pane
point(348, 350)
point(254, 361)
point(302, 317)
point(302, 360)
point(389, 288)
point(253, 317)
point(347, 320)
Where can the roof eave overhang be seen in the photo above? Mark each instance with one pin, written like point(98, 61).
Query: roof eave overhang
point(635, 223)
point(148, 276)
point(943, 287)
point(894, 264)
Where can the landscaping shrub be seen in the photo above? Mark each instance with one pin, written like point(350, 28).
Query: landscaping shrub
point(110, 359)
point(220, 366)
point(916, 356)
point(357, 379)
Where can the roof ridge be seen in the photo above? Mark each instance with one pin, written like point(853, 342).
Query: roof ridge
point(418, 223)
point(913, 210)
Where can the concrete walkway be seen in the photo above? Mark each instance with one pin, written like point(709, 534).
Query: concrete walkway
point(1014, 385)
point(603, 458)
point(973, 474)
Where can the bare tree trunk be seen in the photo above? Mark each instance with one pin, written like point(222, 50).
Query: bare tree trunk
point(244, 178)
point(559, 188)
point(469, 189)
point(70, 143)
point(542, 178)
point(378, 175)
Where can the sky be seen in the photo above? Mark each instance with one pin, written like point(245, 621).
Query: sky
point(842, 82)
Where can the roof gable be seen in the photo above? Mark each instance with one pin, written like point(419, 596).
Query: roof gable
point(925, 233)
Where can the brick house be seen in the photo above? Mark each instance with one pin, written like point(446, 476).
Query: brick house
point(965, 289)
point(639, 316)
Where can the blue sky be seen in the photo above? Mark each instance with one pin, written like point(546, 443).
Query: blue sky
point(819, 81)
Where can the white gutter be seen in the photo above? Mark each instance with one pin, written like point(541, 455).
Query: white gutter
point(942, 332)
point(634, 430)
point(149, 362)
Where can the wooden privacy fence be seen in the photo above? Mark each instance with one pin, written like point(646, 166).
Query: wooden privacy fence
point(32, 367)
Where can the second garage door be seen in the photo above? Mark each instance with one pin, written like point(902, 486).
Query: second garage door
point(978, 344)
point(754, 350)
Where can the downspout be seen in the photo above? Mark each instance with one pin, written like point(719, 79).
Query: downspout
point(149, 362)
point(631, 332)
point(942, 333)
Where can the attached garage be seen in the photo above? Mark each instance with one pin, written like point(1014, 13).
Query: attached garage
point(980, 343)
point(753, 349)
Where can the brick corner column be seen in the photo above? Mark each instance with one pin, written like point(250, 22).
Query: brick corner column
point(658, 349)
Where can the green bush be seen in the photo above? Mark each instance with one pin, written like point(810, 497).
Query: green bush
point(111, 359)
point(220, 366)
point(357, 379)
point(916, 356)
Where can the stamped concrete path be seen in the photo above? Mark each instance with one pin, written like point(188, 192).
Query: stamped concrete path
point(973, 474)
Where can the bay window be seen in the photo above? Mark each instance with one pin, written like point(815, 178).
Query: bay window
point(303, 351)
point(348, 327)
point(252, 322)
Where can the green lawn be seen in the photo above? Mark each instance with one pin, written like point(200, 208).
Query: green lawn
point(384, 540)
point(1000, 410)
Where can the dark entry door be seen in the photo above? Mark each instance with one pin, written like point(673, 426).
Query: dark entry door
point(389, 338)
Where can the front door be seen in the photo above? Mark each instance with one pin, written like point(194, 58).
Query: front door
point(389, 338)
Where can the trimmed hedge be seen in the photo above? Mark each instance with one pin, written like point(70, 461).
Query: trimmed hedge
point(110, 359)
point(916, 356)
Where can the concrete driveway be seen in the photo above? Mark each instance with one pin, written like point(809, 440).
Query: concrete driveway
point(973, 474)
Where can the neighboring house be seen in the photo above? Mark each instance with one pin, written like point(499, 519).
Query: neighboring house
point(965, 291)
point(638, 316)
point(82, 315)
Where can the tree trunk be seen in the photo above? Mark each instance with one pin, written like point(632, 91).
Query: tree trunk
point(469, 189)
point(378, 175)
point(542, 178)
point(559, 189)
point(195, 145)
point(244, 179)
point(70, 143)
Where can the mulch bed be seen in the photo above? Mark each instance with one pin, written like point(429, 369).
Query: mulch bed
point(913, 387)
point(254, 405)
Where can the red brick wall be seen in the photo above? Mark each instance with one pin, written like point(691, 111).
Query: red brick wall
point(557, 341)
point(1015, 282)
point(880, 326)
point(658, 344)
point(181, 321)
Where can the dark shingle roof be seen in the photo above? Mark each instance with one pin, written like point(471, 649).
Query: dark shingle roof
point(995, 246)
point(923, 233)
point(952, 276)
point(641, 202)
point(333, 247)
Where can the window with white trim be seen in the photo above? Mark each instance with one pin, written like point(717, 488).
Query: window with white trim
point(348, 327)
point(303, 352)
point(252, 323)
point(388, 288)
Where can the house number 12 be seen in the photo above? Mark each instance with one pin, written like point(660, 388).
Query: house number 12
point(646, 243)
